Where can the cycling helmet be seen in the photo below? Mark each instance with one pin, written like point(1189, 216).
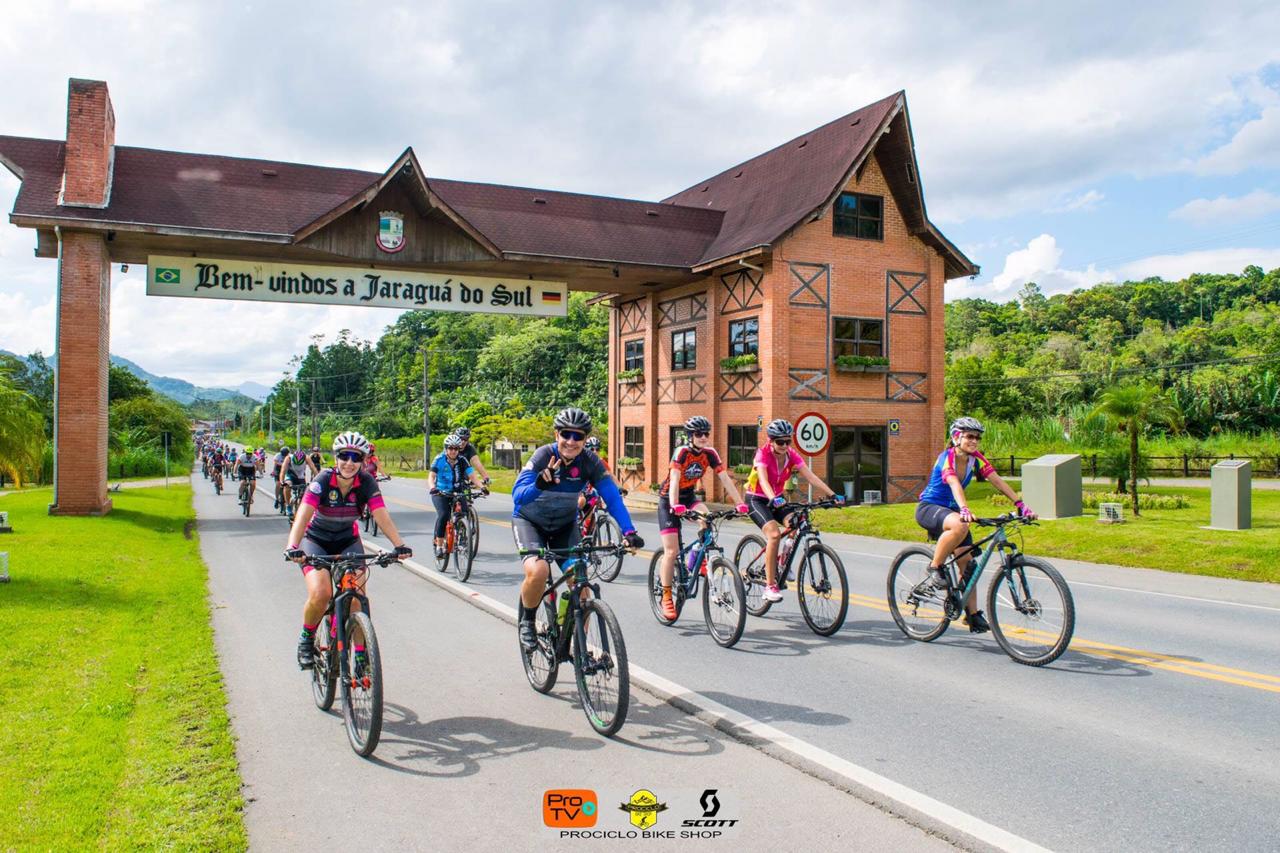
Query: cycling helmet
point(593, 444)
point(248, 450)
point(299, 457)
point(372, 447)
point(780, 428)
point(284, 448)
point(351, 441)
point(962, 425)
point(455, 441)
point(697, 423)
point(572, 418)
point(465, 432)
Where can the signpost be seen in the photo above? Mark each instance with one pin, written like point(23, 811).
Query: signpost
point(813, 434)
point(165, 437)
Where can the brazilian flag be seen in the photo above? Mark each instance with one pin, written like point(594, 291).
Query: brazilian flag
point(168, 275)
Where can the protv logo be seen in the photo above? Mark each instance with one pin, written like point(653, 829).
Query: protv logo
point(569, 808)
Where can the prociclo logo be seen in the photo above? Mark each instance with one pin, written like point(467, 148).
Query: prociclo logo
point(569, 808)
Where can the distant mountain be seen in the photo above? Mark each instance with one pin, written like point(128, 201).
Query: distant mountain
point(255, 390)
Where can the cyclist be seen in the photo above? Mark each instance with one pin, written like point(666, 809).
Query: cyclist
point(293, 474)
point(546, 499)
point(277, 462)
point(317, 459)
point(247, 470)
point(371, 462)
point(588, 495)
point(447, 473)
point(326, 526)
point(689, 464)
point(217, 461)
point(774, 463)
point(470, 454)
point(944, 512)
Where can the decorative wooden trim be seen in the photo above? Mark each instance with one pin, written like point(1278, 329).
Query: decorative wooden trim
point(808, 384)
point(905, 489)
point(682, 389)
point(741, 386)
point(907, 283)
point(742, 291)
point(684, 309)
point(631, 394)
point(808, 275)
point(906, 387)
point(631, 317)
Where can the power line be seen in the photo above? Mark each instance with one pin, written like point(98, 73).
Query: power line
point(1123, 371)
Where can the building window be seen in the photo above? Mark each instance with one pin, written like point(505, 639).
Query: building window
point(684, 350)
point(856, 336)
point(633, 355)
point(744, 337)
point(678, 437)
point(859, 216)
point(742, 445)
point(633, 442)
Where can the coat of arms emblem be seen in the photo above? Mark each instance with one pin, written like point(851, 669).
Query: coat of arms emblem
point(390, 231)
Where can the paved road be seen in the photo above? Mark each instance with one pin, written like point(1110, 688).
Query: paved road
point(468, 748)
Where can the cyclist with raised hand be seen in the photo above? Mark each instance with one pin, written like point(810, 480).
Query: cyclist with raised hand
point(448, 471)
point(689, 464)
point(546, 507)
point(774, 463)
point(293, 474)
point(945, 514)
point(470, 454)
point(326, 526)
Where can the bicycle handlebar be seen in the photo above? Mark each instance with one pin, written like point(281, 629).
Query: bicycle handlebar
point(712, 516)
point(382, 558)
point(825, 503)
point(575, 551)
point(1002, 520)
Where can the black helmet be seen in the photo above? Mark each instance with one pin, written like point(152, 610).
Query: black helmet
point(780, 428)
point(593, 444)
point(572, 418)
point(697, 423)
point(465, 432)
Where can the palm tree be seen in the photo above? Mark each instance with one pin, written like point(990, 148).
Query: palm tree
point(1131, 408)
point(21, 431)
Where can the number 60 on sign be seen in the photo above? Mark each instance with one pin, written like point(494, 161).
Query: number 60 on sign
point(813, 434)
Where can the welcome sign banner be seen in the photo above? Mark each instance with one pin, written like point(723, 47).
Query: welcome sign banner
point(268, 281)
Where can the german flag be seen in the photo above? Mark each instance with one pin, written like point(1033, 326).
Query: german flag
point(550, 297)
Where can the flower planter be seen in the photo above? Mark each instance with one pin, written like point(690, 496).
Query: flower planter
point(851, 368)
point(630, 466)
point(877, 368)
point(745, 368)
point(631, 380)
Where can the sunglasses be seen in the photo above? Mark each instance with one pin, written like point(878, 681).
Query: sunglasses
point(971, 437)
point(782, 442)
point(572, 435)
point(350, 456)
point(700, 434)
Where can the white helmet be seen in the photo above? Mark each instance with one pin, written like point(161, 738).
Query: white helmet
point(351, 441)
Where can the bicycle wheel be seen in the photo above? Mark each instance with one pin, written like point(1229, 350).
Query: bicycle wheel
point(600, 664)
point(1032, 612)
point(724, 602)
point(217, 485)
point(540, 665)
point(442, 561)
point(608, 532)
point(324, 675)
point(463, 555)
point(655, 590)
point(362, 689)
point(473, 527)
point(749, 558)
point(823, 589)
point(916, 606)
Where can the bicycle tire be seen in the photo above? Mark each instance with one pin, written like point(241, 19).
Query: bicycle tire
point(724, 590)
point(604, 681)
point(1009, 622)
point(920, 617)
point(442, 561)
point(817, 587)
point(473, 527)
point(364, 724)
point(324, 674)
point(463, 556)
point(750, 565)
point(540, 665)
point(608, 532)
point(655, 590)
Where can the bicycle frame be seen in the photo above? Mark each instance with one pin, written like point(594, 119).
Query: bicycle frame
point(707, 539)
point(580, 583)
point(983, 550)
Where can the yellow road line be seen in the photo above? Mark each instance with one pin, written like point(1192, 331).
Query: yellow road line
point(1095, 648)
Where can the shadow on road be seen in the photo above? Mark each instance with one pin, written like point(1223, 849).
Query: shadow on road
point(777, 711)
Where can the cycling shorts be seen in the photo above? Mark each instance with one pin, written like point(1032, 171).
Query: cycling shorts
point(762, 511)
point(529, 536)
point(247, 473)
point(669, 522)
point(328, 547)
point(933, 517)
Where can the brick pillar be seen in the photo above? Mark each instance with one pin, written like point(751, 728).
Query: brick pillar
point(91, 139)
point(84, 300)
point(653, 461)
point(613, 410)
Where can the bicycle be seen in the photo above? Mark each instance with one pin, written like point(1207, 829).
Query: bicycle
point(821, 583)
point(289, 509)
point(459, 530)
point(217, 480)
point(1029, 605)
point(585, 630)
point(599, 528)
point(336, 660)
point(370, 523)
point(723, 599)
point(246, 495)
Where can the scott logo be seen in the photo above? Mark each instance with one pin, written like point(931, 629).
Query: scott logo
point(569, 808)
point(710, 807)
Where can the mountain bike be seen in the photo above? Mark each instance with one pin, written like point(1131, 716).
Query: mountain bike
point(821, 583)
point(217, 479)
point(370, 523)
point(723, 599)
point(460, 538)
point(337, 663)
point(578, 626)
point(599, 528)
point(1029, 605)
point(246, 495)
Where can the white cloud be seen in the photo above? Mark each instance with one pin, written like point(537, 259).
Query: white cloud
point(1256, 145)
point(1203, 211)
point(1082, 203)
point(26, 325)
point(1175, 267)
point(1039, 261)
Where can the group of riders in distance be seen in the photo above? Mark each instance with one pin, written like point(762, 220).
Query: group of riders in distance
point(565, 505)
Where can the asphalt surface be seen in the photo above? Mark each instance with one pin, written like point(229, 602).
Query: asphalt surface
point(468, 748)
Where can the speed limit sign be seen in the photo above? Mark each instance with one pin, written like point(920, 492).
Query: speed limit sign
point(813, 433)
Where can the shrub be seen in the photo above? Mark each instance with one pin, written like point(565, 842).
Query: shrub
point(633, 373)
point(861, 360)
point(735, 361)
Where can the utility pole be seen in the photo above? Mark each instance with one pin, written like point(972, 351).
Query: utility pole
point(426, 414)
point(297, 407)
point(271, 419)
point(315, 432)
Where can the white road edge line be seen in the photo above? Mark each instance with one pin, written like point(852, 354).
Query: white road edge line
point(913, 806)
point(1175, 595)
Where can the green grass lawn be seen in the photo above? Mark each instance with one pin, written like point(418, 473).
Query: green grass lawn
point(115, 725)
point(1169, 539)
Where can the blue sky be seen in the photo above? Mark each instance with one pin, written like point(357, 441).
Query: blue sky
point(1061, 143)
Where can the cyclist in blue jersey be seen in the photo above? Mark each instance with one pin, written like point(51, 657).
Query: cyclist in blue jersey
point(447, 474)
point(944, 512)
point(546, 506)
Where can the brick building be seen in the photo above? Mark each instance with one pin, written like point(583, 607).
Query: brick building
point(816, 249)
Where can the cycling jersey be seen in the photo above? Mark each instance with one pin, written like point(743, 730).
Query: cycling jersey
point(450, 475)
point(246, 467)
point(468, 452)
point(690, 465)
point(939, 492)
point(556, 506)
point(278, 460)
point(296, 470)
point(777, 476)
point(335, 514)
